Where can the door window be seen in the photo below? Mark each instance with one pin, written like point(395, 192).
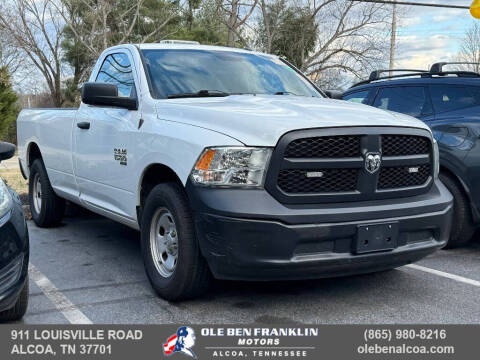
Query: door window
point(449, 97)
point(360, 97)
point(117, 70)
point(410, 100)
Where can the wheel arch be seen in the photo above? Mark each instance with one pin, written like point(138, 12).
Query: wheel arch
point(153, 175)
point(33, 153)
point(464, 187)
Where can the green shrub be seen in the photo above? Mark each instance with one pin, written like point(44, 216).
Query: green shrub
point(8, 107)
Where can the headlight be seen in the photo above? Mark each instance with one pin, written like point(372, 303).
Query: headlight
point(436, 159)
point(5, 199)
point(232, 166)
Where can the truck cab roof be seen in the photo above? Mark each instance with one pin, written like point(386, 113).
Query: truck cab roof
point(186, 46)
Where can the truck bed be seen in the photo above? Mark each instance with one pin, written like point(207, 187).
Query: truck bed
point(52, 130)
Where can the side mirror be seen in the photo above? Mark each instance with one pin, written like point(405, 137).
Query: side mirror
point(106, 95)
point(7, 150)
point(334, 94)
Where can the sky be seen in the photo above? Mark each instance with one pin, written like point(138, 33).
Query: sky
point(427, 35)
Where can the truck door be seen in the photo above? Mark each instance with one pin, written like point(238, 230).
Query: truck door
point(103, 143)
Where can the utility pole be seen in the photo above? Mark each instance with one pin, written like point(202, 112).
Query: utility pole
point(393, 38)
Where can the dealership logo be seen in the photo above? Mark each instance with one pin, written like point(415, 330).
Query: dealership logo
point(372, 162)
point(181, 342)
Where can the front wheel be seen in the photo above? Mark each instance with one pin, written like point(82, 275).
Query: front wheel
point(171, 254)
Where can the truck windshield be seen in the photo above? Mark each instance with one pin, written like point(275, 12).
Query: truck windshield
point(179, 73)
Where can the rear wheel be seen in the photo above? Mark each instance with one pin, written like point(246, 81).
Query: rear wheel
point(20, 307)
point(47, 208)
point(173, 262)
point(462, 224)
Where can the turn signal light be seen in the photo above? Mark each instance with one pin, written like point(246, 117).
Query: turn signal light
point(204, 162)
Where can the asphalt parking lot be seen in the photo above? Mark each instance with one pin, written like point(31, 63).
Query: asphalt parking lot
point(90, 270)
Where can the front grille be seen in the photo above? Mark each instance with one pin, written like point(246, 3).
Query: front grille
point(330, 165)
point(324, 147)
point(401, 145)
point(403, 176)
point(297, 181)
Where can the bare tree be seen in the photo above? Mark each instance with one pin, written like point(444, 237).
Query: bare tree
point(34, 28)
point(10, 56)
point(99, 24)
point(271, 12)
point(470, 48)
point(348, 37)
point(235, 14)
point(351, 36)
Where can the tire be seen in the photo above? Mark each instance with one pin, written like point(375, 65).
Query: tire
point(166, 207)
point(462, 224)
point(20, 307)
point(49, 211)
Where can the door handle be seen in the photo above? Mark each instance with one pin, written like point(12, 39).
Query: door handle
point(85, 125)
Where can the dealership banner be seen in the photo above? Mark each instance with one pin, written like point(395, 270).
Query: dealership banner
point(255, 341)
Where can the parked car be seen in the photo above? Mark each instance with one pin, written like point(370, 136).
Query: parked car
point(14, 250)
point(449, 102)
point(232, 162)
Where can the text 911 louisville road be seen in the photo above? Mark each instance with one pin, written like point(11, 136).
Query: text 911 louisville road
point(233, 163)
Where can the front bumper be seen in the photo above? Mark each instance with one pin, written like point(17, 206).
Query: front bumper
point(248, 235)
point(14, 255)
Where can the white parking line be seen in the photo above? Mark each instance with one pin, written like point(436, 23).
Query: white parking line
point(61, 302)
point(445, 275)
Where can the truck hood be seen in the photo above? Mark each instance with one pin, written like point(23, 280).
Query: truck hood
point(261, 120)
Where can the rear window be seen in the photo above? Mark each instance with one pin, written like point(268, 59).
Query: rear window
point(410, 100)
point(449, 97)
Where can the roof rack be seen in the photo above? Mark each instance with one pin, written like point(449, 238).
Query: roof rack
point(438, 67)
point(375, 75)
point(185, 42)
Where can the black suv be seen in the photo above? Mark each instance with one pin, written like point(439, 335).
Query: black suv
point(449, 102)
point(14, 250)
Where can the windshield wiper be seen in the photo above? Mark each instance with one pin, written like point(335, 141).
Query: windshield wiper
point(201, 93)
point(285, 93)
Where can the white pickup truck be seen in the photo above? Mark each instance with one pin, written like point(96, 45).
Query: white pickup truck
point(233, 164)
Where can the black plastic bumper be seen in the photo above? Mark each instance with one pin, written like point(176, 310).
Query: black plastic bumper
point(14, 255)
point(248, 235)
